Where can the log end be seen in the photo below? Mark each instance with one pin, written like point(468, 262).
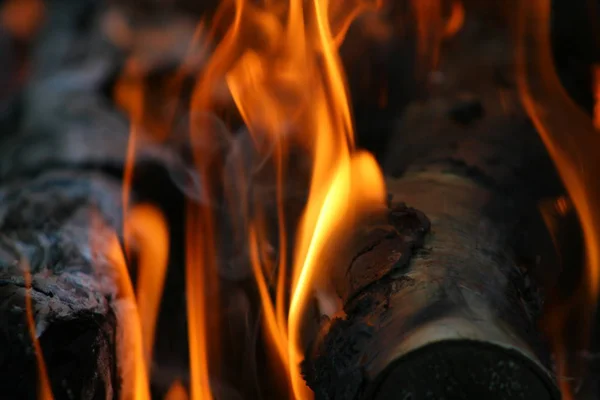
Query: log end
point(463, 369)
point(77, 345)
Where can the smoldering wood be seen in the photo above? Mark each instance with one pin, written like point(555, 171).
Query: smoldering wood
point(47, 228)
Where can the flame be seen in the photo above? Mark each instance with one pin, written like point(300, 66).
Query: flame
point(22, 18)
point(44, 391)
point(135, 385)
point(571, 140)
point(200, 275)
point(295, 78)
point(456, 19)
point(277, 62)
point(177, 392)
point(596, 88)
point(150, 232)
point(432, 28)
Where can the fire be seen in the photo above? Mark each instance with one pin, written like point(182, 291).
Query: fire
point(150, 232)
point(572, 141)
point(176, 392)
point(456, 20)
point(295, 78)
point(432, 28)
point(22, 18)
point(135, 383)
point(276, 63)
point(290, 79)
point(596, 83)
point(44, 391)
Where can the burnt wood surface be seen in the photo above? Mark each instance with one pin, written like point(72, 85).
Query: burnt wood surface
point(58, 214)
point(48, 228)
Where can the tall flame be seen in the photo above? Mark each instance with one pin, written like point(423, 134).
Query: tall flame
point(572, 142)
point(294, 78)
point(277, 62)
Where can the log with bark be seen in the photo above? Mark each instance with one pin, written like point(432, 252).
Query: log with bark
point(443, 300)
point(47, 232)
point(60, 207)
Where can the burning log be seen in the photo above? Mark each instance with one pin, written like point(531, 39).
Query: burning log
point(48, 252)
point(444, 301)
point(434, 313)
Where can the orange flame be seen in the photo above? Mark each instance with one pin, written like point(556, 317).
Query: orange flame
point(137, 315)
point(200, 275)
point(596, 88)
point(571, 140)
point(150, 232)
point(177, 392)
point(277, 61)
point(432, 28)
point(22, 18)
point(295, 77)
point(44, 391)
point(456, 20)
point(136, 385)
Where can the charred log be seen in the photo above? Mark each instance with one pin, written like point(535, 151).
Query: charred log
point(56, 227)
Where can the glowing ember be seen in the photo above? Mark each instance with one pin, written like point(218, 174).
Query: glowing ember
point(571, 140)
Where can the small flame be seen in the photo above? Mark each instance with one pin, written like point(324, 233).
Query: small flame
point(432, 28)
point(596, 89)
point(150, 232)
point(44, 391)
point(456, 20)
point(135, 384)
point(200, 276)
point(572, 142)
point(177, 392)
point(22, 18)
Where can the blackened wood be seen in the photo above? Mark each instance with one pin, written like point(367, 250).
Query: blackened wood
point(58, 226)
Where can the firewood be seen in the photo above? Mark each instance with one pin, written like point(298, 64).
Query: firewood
point(443, 292)
point(58, 227)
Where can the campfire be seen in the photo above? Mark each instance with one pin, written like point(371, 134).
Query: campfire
point(299, 199)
